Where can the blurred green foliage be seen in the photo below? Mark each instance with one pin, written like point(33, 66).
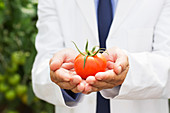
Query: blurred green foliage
point(17, 52)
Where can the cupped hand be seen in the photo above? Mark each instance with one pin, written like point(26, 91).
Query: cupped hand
point(62, 71)
point(117, 69)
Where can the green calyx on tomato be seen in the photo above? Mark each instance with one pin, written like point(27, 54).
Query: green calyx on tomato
point(87, 52)
point(89, 63)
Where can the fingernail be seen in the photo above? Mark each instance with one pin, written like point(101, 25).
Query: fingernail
point(90, 79)
point(119, 70)
point(98, 77)
point(80, 87)
point(89, 89)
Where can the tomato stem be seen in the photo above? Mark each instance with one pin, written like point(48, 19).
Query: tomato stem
point(106, 52)
point(78, 49)
point(88, 53)
point(94, 49)
point(86, 48)
point(85, 57)
point(96, 52)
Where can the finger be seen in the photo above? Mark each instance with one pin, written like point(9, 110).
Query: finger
point(117, 68)
point(122, 61)
point(76, 90)
point(52, 76)
point(95, 89)
point(122, 76)
point(98, 84)
point(87, 89)
point(75, 80)
point(65, 85)
point(79, 88)
point(110, 65)
point(63, 56)
point(56, 61)
point(118, 57)
point(90, 79)
point(68, 66)
point(62, 75)
point(107, 76)
point(110, 55)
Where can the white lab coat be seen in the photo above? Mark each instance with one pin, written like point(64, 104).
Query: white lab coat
point(140, 27)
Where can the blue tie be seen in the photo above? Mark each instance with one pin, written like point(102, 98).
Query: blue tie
point(105, 17)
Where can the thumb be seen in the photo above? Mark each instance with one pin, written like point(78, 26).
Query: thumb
point(56, 61)
point(64, 56)
point(121, 63)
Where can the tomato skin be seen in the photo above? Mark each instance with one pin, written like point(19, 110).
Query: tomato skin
point(93, 65)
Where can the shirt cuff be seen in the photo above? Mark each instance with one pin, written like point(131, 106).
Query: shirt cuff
point(70, 98)
point(110, 93)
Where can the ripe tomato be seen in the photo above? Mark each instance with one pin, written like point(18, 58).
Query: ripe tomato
point(90, 62)
point(93, 65)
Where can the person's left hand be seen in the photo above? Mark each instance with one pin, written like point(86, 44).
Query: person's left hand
point(117, 68)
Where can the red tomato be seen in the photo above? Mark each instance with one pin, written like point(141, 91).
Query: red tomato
point(93, 64)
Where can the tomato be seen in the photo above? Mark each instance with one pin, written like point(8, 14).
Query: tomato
point(90, 62)
point(93, 65)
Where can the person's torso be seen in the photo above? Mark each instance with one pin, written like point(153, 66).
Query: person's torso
point(132, 29)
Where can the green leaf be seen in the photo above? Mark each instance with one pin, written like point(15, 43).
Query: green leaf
point(86, 48)
point(96, 52)
point(78, 49)
point(93, 49)
point(85, 57)
point(30, 94)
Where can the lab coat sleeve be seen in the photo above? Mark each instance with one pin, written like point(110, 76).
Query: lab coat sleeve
point(49, 40)
point(149, 72)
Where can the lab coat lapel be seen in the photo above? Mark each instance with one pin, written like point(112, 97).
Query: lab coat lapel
point(122, 11)
point(88, 10)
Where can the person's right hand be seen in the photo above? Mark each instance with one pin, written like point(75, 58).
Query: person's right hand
point(62, 71)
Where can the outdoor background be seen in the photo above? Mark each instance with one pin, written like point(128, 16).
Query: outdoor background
point(17, 52)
